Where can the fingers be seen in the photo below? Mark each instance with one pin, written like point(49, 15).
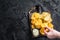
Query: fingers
point(45, 32)
point(48, 28)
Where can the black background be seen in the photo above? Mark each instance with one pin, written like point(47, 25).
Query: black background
point(14, 23)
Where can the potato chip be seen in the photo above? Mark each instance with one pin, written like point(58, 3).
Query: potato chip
point(50, 25)
point(42, 31)
point(32, 26)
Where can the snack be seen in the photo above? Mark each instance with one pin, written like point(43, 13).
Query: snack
point(46, 16)
point(32, 26)
point(40, 21)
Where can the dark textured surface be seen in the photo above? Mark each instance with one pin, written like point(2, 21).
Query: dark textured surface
point(14, 18)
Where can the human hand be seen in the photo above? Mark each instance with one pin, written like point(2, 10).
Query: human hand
point(52, 33)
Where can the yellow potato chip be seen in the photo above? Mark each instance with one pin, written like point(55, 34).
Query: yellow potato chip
point(44, 25)
point(50, 25)
point(33, 21)
point(32, 26)
point(47, 18)
point(46, 15)
point(42, 31)
point(39, 21)
point(36, 15)
point(37, 25)
point(33, 18)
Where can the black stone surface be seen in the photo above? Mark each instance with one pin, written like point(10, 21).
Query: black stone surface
point(14, 23)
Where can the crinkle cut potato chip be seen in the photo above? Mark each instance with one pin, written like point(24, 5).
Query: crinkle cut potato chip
point(41, 20)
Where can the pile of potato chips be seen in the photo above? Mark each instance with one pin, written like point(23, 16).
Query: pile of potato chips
point(40, 21)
